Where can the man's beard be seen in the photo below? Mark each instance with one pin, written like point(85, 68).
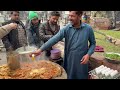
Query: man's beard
point(35, 24)
point(54, 23)
point(71, 22)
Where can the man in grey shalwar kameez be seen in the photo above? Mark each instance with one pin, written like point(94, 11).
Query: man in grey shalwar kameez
point(77, 51)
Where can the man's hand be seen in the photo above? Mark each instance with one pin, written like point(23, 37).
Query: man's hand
point(13, 25)
point(10, 48)
point(85, 59)
point(36, 53)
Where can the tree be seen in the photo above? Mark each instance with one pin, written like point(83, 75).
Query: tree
point(114, 18)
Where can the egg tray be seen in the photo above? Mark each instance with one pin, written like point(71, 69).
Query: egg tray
point(94, 76)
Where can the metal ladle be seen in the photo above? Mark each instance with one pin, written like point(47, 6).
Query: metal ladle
point(34, 60)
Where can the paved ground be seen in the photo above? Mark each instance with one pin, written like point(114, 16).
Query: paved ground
point(3, 59)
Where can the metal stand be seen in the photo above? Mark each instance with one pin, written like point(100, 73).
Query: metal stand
point(58, 61)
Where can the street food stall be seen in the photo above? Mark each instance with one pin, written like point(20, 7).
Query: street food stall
point(21, 66)
point(41, 68)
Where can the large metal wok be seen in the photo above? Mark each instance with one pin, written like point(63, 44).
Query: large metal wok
point(24, 57)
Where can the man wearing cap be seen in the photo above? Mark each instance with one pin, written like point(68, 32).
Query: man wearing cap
point(49, 28)
point(84, 18)
point(32, 29)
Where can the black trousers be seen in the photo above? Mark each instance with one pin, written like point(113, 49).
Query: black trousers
point(48, 52)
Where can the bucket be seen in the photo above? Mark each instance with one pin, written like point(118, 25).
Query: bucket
point(55, 54)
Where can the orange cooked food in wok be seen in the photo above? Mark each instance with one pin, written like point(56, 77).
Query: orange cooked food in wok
point(42, 69)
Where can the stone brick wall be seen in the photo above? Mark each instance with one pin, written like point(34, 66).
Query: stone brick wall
point(113, 40)
point(100, 23)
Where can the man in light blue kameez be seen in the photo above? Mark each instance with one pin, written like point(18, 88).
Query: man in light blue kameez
point(77, 49)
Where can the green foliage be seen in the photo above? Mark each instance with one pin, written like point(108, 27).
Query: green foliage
point(108, 47)
point(113, 56)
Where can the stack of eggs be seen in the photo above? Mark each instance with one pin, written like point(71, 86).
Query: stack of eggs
point(55, 54)
point(104, 72)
